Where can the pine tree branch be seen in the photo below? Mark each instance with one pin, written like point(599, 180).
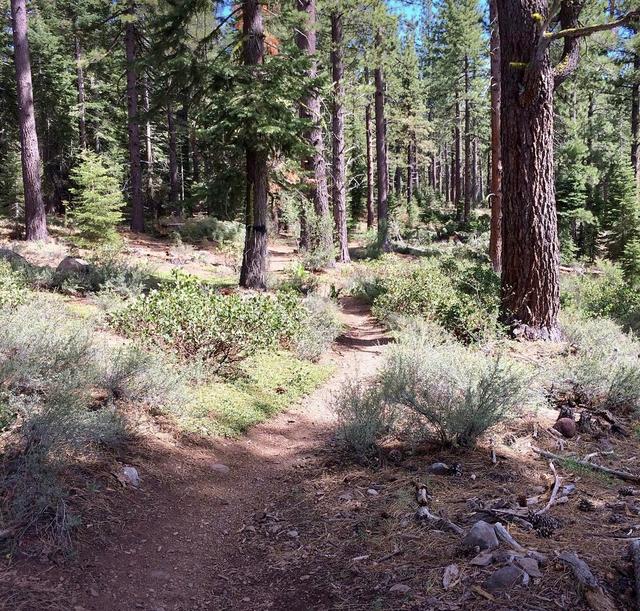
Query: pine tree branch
point(592, 29)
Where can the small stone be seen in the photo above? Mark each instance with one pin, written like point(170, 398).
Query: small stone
point(504, 579)
point(530, 566)
point(130, 476)
point(73, 265)
point(439, 468)
point(372, 492)
point(482, 536)
point(450, 577)
point(399, 588)
point(293, 534)
point(537, 556)
point(94, 592)
point(566, 427)
point(220, 468)
point(482, 559)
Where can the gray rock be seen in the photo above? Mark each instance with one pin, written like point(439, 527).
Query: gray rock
point(73, 265)
point(130, 476)
point(482, 559)
point(439, 468)
point(504, 579)
point(13, 258)
point(399, 588)
point(537, 556)
point(530, 566)
point(218, 467)
point(482, 536)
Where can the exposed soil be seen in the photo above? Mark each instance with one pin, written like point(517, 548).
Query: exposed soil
point(282, 519)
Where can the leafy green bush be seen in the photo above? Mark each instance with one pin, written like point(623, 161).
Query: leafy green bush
point(13, 290)
point(606, 294)
point(191, 319)
point(605, 368)
point(198, 229)
point(462, 296)
point(97, 200)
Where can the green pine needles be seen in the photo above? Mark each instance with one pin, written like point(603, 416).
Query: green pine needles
point(97, 200)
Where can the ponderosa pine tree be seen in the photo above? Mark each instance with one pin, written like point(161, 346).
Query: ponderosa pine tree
point(253, 273)
point(530, 250)
point(338, 167)
point(34, 210)
point(133, 119)
point(314, 162)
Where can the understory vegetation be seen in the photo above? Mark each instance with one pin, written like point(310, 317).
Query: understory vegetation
point(73, 390)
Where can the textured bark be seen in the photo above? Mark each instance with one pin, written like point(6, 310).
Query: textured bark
point(457, 162)
point(468, 183)
point(495, 238)
point(383, 171)
point(135, 169)
point(314, 163)
point(412, 167)
point(148, 145)
point(339, 191)
point(34, 210)
point(530, 253)
point(82, 123)
point(253, 273)
point(635, 117)
point(367, 122)
point(174, 185)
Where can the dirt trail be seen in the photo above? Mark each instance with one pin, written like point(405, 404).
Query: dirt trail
point(182, 541)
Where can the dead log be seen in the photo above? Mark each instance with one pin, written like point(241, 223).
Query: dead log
point(623, 475)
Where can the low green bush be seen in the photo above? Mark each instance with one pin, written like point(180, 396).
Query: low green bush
point(604, 365)
point(188, 317)
point(13, 289)
point(198, 229)
point(319, 326)
point(262, 385)
point(460, 295)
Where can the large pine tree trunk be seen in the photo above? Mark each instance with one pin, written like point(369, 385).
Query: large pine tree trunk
point(381, 158)
point(314, 163)
point(457, 162)
point(339, 191)
point(148, 144)
point(530, 253)
point(367, 122)
point(468, 183)
point(635, 117)
point(253, 274)
point(135, 169)
point(495, 238)
point(174, 184)
point(82, 123)
point(34, 210)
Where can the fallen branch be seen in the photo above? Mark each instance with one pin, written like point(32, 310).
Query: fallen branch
point(423, 513)
point(554, 492)
point(594, 595)
point(623, 475)
point(504, 535)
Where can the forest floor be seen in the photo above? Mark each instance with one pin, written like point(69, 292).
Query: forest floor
point(283, 519)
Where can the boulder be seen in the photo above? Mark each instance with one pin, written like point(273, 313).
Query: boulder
point(13, 258)
point(481, 536)
point(73, 265)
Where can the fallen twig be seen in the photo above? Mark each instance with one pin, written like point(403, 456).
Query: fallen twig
point(623, 475)
point(554, 492)
point(423, 513)
point(503, 534)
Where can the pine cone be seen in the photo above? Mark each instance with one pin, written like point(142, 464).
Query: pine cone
point(626, 491)
point(543, 524)
point(586, 505)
